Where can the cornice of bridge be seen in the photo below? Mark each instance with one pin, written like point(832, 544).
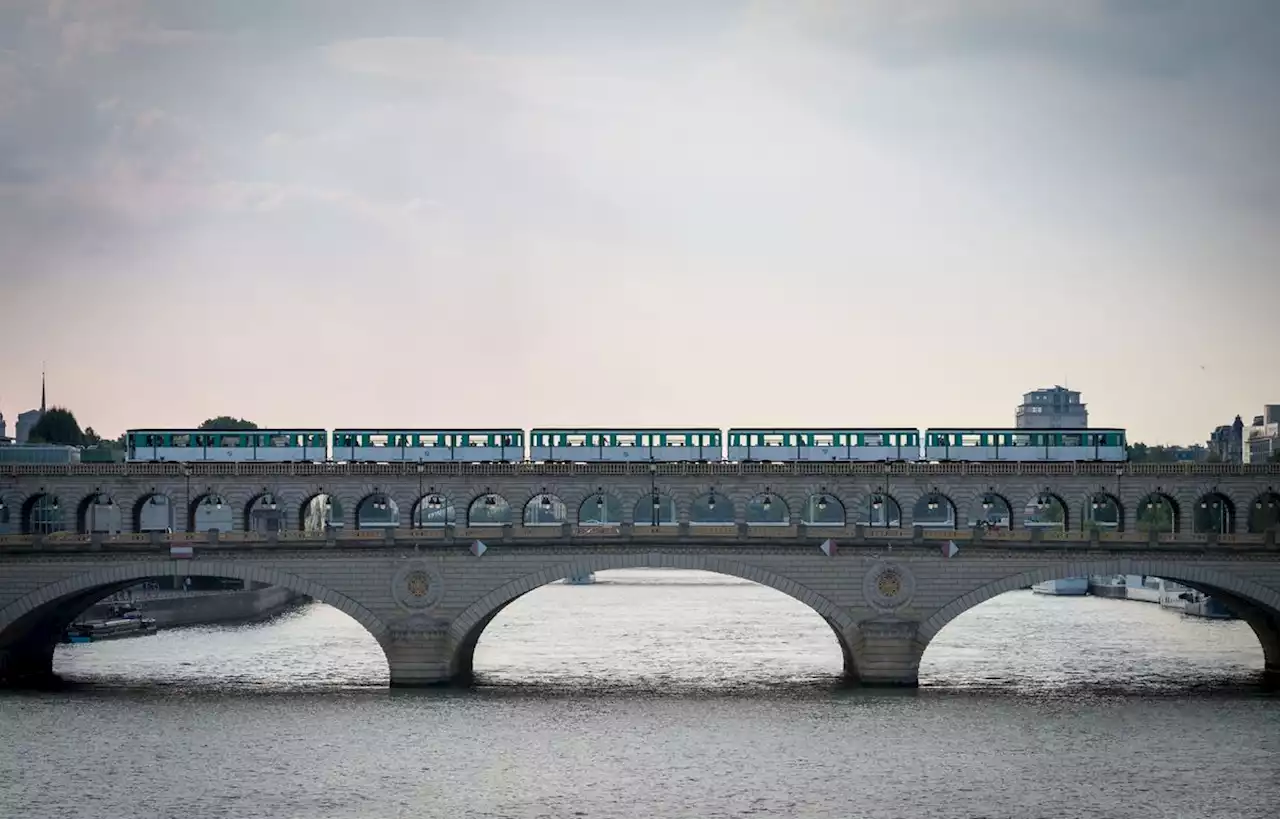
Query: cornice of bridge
point(630, 537)
point(780, 471)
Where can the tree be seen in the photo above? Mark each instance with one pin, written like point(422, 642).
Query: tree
point(57, 426)
point(225, 423)
point(91, 438)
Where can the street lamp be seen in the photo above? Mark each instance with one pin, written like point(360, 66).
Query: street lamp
point(711, 500)
point(768, 500)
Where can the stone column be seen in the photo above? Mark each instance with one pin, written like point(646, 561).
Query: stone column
point(887, 653)
point(417, 658)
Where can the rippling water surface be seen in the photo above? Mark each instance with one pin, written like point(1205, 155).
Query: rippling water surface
point(660, 694)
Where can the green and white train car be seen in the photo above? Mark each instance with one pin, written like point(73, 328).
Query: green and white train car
point(428, 445)
point(254, 445)
point(592, 445)
point(1097, 444)
point(827, 444)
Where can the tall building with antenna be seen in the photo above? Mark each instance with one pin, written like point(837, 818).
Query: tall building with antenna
point(1052, 408)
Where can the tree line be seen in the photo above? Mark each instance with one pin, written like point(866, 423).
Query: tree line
point(59, 426)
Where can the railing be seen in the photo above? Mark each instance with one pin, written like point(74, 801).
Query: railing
point(564, 534)
point(906, 469)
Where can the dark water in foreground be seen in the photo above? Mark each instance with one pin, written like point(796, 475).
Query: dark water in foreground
point(660, 694)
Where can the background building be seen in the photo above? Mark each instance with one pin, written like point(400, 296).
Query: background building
point(1226, 442)
point(1262, 439)
point(3, 429)
point(1052, 408)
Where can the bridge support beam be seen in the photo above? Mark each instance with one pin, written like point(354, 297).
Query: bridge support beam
point(418, 659)
point(887, 653)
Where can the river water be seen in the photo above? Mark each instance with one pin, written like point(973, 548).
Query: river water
point(660, 694)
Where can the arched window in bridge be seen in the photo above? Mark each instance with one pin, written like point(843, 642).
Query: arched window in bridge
point(321, 513)
point(656, 509)
point(99, 513)
point(435, 509)
point(211, 512)
point(545, 509)
point(1213, 513)
point(1265, 513)
point(934, 510)
point(823, 509)
point(45, 516)
point(713, 508)
point(1045, 510)
point(378, 511)
point(603, 509)
point(490, 509)
point(264, 514)
point(992, 511)
point(883, 511)
point(768, 509)
point(1157, 512)
point(154, 513)
point(1102, 511)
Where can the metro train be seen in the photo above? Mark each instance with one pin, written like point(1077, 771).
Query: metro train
point(695, 444)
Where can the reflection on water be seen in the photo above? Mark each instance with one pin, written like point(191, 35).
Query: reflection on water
point(660, 694)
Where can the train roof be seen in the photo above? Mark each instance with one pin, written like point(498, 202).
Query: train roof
point(824, 429)
point(1025, 430)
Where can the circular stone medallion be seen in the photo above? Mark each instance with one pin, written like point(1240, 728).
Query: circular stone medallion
point(416, 586)
point(888, 586)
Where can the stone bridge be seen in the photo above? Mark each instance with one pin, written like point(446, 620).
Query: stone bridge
point(886, 556)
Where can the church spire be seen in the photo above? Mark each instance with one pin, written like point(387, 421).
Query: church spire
point(42, 390)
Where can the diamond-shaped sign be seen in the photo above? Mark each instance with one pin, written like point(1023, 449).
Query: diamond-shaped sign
point(950, 549)
point(828, 547)
point(478, 548)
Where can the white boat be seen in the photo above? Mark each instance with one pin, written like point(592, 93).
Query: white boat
point(1066, 587)
point(580, 579)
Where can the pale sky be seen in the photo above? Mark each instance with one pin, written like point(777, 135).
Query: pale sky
point(775, 213)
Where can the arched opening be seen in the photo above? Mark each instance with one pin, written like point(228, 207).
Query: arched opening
point(545, 509)
point(210, 512)
point(883, 511)
point(1213, 513)
point(1046, 511)
point(823, 509)
point(43, 514)
point(1157, 512)
point(711, 509)
point(656, 509)
point(600, 509)
point(652, 627)
point(153, 512)
point(263, 513)
point(250, 620)
point(320, 513)
point(768, 509)
point(1106, 628)
point(98, 513)
point(992, 511)
point(489, 509)
point(6, 516)
point(1265, 514)
point(934, 510)
point(377, 511)
point(1103, 511)
point(434, 510)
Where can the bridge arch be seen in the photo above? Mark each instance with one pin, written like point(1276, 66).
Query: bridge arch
point(1046, 510)
point(31, 626)
point(600, 508)
point(1257, 605)
point(43, 513)
point(993, 509)
point(656, 508)
point(883, 510)
point(1102, 510)
point(465, 631)
point(1214, 511)
point(98, 512)
point(935, 509)
point(1158, 511)
point(1265, 511)
point(434, 509)
point(823, 508)
point(377, 510)
point(545, 508)
point(210, 510)
point(711, 508)
point(768, 508)
point(489, 509)
point(153, 512)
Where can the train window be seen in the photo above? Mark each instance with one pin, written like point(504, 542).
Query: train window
point(230, 441)
point(772, 440)
point(506, 440)
point(677, 439)
point(279, 440)
point(185, 440)
point(873, 439)
point(378, 440)
point(1070, 440)
point(574, 440)
point(1020, 439)
point(475, 440)
point(625, 440)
